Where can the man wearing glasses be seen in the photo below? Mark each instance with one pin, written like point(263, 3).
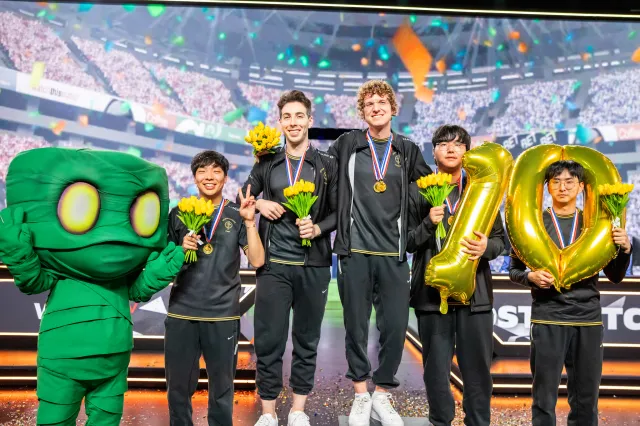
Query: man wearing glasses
point(566, 326)
point(376, 166)
point(466, 328)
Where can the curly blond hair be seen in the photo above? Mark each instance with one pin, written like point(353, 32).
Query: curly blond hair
point(380, 88)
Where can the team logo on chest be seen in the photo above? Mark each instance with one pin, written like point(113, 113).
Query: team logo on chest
point(396, 159)
point(228, 224)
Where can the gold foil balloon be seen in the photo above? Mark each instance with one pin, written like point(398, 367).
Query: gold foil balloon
point(488, 168)
point(523, 215)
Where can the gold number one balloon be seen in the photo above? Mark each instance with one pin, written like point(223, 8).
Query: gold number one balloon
point(488, 168)
point(523, 215)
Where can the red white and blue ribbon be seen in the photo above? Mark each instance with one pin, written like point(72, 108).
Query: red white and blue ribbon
point(452, 209)
point(556, 225)
point(380, 168)
point(290, 174)
point(214, 225)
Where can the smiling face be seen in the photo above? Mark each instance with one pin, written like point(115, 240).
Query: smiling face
point(377, 110)
point(295, 122)
point(210, 180)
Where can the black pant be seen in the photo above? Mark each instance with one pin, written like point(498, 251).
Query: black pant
point(472, 336)
point(580, 350)
point(383, 281)
point(278, 290)
point(184, 342)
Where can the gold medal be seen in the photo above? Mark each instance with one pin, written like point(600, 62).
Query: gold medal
point(379, 186)
point(207, 249)
point(450, 220)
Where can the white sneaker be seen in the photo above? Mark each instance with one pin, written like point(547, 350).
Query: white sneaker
point(267, 420)
point(298, 418)
point(360, 411)
point(383, 411)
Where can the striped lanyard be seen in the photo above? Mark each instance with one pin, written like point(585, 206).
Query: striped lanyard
point(214, 225)
point(556, 225)
point(291, 175)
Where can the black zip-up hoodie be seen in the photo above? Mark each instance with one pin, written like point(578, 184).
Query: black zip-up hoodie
point(325, 168)
point(344, 149)
point(422, 242)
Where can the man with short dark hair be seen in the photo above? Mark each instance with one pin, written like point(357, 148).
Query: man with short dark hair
point(566, 326)
point(204, 307)
point(293, 277)
point(465, 329)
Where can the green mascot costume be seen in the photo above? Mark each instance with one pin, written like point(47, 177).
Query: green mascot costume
point(91, 228)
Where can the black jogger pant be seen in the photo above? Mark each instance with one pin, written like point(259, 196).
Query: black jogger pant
point(279, 289)
point(184, 342)
point(579, 348)
point(382, 281)
point(472, 336)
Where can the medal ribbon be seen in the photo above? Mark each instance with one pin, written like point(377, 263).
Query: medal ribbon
point(380, 168)
point(209, 234)
point(294, 178)
point(556, 225)
point(452, 209)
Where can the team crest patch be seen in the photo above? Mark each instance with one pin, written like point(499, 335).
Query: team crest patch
point(228, 224)
point(397, 160)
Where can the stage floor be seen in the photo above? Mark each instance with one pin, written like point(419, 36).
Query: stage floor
point(331, 398)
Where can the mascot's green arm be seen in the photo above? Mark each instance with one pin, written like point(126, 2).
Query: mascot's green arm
point(29, 275)
point(160, 270)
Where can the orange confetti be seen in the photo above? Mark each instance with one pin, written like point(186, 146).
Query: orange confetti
point(379, 62)
point(147, 40)
point(83, 120)
point(58, 127)
point(488, 43)
point(157, 109)
point(522, 47)
point(586, 56)
point(42, 3)
point(636, 55)
point(415, 57)
point(356, 47)
point(441, 66)
point(514, 35)
point(364, 62)
point(462, 115)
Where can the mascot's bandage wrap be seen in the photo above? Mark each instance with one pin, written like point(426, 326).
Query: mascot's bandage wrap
point(91, 227)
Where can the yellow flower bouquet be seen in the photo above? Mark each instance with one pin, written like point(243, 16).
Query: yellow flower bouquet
point(194, 213)
point(263, 139)
point(300, 198)
point(615, 199)
point(435, 188)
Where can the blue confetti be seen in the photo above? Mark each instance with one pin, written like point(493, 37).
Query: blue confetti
point(108, 46)
point(457, 66)
point(84, 7)
point(370, 43)
point(495, 95)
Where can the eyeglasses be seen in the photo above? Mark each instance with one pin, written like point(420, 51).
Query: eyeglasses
point(444, 146)
point(568, 184)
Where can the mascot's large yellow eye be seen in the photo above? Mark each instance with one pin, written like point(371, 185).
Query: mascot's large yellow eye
point(78, 208)
point(145, 214)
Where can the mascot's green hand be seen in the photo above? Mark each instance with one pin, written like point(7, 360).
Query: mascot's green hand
point(164, 266)
point(15, 237)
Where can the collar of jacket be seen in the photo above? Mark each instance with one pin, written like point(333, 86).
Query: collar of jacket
point(279, 155)
point(362, 142)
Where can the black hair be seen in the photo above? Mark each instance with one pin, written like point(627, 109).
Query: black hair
point(209, 158)
point(448, 133)
point(555, 169)
point(294, 96)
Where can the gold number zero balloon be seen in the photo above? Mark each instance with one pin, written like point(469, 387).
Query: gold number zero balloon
point(523, 215)
point(488, 168)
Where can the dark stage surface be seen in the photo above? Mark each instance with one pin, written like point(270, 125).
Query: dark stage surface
point(331, 398)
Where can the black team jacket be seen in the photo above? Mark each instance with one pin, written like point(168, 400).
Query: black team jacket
point(325, 169)
point(344, 149)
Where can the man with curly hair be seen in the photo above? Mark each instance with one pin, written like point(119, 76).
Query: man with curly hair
point(376, 166)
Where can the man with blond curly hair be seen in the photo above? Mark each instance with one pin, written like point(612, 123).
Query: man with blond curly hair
point(376, 166)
